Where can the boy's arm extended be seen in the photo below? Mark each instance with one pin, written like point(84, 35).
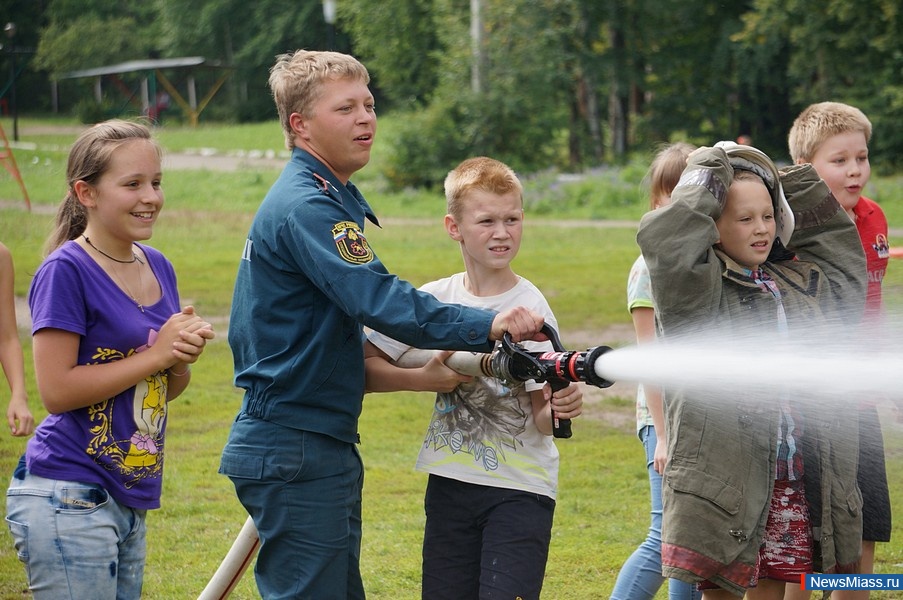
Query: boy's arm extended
point(382, 375)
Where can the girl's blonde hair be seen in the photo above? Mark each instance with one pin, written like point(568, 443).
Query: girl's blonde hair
point(89, 159)
point(296, 81)
point(479, 173)
point(665, 170)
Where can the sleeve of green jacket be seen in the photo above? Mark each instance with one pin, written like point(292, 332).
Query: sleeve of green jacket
point(825, 235)
point(677, 243)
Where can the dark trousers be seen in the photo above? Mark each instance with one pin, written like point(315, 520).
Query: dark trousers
point(303, 491)
point(484, 542)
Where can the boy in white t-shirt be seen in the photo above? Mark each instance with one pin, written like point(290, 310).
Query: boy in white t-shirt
point(488, 449)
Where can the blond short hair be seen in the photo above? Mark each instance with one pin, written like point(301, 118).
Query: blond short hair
point(821, 121)
point(296, 81)
point(480, 173)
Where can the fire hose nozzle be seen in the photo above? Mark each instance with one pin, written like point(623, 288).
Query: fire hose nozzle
point(511, 362)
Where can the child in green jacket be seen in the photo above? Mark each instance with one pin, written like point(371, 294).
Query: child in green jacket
point(754, 494)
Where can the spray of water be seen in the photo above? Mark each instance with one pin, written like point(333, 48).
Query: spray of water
point(837, 370)
point(829, 361)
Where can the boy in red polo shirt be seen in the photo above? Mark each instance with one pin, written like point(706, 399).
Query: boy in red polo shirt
point(834, 138)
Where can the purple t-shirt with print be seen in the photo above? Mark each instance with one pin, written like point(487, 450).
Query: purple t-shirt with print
point(116, 443)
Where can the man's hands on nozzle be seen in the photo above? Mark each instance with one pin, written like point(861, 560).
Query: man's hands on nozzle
point(522, 323)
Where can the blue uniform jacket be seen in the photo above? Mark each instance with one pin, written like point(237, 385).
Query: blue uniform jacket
point(307, 282)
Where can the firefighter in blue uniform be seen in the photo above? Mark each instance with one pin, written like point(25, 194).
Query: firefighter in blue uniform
point(307, 283)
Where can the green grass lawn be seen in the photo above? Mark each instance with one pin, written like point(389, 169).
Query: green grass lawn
point(602, 511)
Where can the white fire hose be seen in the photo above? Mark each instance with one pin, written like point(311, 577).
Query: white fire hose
point(229, 573)
point(465, 363)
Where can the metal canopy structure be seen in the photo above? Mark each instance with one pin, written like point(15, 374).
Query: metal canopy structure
point(152, 74)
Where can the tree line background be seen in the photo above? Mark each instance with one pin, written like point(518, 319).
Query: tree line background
point(563, 84)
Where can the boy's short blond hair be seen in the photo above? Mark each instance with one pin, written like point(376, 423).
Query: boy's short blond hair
point(480, 173)
point(820, 121)
point(296, 80)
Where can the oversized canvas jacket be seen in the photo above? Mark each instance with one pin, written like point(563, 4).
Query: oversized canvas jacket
point(721, 470)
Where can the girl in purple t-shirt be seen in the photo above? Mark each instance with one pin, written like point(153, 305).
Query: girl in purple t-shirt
point(111, 347)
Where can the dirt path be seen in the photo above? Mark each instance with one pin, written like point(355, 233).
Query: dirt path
point(222, 162)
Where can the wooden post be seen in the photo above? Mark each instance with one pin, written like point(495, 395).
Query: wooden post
point(9, 161)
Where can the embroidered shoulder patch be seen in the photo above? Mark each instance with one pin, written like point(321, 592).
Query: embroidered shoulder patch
point(351, 243)
point(881, 246)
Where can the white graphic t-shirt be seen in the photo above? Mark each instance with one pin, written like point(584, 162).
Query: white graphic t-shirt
point(483, 431)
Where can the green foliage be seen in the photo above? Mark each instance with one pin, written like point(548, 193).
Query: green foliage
point(601, 194)
point(93, 41)
point(247, 36)
point(839, 53)
point(398, 40)
point(90, 111)
point(425, 145)
point(508, 115)
point(681, 47)
point(524, 85)
point(570, 84)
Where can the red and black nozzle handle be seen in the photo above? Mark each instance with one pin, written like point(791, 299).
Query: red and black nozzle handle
point(511, 362)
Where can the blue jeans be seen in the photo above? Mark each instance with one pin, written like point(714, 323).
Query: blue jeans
point(484, 542)
point(641, 576)
point(303, 491)
point(76, 541)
